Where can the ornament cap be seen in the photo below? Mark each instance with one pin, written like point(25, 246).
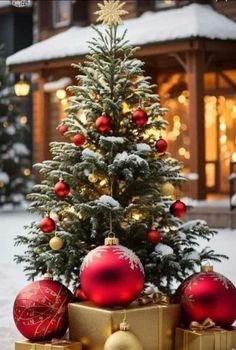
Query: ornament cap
point(111, 240)
point(207, 268)
point(124, 326)
point(48, 276)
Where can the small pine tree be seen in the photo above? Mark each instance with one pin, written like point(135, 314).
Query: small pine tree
point(115, 178)
point(15, 159)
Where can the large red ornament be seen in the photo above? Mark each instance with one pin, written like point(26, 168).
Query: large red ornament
point(61, 189)
point(153, 236)
point(62, 129)
point(111, 275)
point(47, 225)
point(103, 124)
point(40, 310)
point(178, 209)
point(79, 139)
point(139, 117)
point(79, 294)
point(161, 145)
point(207, 294)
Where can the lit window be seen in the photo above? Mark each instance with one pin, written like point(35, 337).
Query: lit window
point(164, 3)
point(61, 13)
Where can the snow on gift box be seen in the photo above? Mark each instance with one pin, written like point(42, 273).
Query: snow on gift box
point(207, 294)
point(40, 310)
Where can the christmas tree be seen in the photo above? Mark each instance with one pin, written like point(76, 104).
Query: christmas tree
point(113, 173)
point(15, 159)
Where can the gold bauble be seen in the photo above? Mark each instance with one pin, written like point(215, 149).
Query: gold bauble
point(167, 189)
point(123, 340)
point(56, 243)
point(93, 178)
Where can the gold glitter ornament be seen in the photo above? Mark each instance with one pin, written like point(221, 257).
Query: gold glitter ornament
point(93, 178)
point(56, 243)
point(167, 189)
point(110, 12)
point(123, 339)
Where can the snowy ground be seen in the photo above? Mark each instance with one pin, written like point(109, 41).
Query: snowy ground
point(12, 279)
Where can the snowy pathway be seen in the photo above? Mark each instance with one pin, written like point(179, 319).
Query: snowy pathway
point(12, 279)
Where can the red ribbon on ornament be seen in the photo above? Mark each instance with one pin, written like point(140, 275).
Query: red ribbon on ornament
point(206, 325)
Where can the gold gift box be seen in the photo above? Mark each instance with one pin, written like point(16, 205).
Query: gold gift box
point(186, 339)
point(46, 345)
point(154, 325)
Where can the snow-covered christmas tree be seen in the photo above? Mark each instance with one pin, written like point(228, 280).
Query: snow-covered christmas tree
point(15, 159)
point(112, 173)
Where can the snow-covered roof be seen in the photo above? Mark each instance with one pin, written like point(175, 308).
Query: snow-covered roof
point(5, 3)
point(190, 21)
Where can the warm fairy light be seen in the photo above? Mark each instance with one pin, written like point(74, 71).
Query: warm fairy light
point(182, 99)
point(233, 157)
point(27, 172)
point(223, 126)
point(1, 184)
point(93, 178)
point(64, 102)
point(187, 155)
point(22, 87)
point(234, 108)
point(125, 108)
point(223, 139)
point(182, 151)
point(136, 215)
point(23, 119)
point(61, 94)
point(5, 124)
point(103, 182)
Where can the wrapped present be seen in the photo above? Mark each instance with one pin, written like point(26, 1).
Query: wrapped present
point(154, 325)
point(54, 344)
point(203, 339)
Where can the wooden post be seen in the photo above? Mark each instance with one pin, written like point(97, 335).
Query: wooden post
point(195, 72)
point(41, 122)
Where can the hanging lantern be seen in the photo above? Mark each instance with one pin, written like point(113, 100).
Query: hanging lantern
point(22, 87)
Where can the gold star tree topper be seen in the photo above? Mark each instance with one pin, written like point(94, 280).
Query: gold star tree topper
point(110, 12)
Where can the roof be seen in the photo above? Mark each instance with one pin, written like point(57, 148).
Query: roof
point(192, 21)
point(5, 3)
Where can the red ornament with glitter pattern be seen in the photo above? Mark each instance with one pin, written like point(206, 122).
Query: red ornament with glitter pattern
point(207, 295)
point(40, 310)
point(111, 275)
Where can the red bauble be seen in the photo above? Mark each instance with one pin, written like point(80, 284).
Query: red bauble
point(80, 295)
point(47, 225)
point(111, 275)
point(207, 294)
point(161, 145)
point(79, 139)
point(62, 129)
point(139, 117)
point(153, 236)
point(61, 189)
point(40, 310)
point(178, 209)
point(103, 124)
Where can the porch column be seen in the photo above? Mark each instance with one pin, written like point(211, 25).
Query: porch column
point(41, 125)
point(195, 75)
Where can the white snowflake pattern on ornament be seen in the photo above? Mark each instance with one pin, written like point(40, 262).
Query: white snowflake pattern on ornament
point(222, 279)
point(127, 254)
point(92, 255)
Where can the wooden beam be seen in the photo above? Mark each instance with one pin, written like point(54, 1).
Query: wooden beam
point(195, 70)
point(41, 123)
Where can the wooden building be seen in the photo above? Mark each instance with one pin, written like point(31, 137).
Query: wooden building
point(189, 48)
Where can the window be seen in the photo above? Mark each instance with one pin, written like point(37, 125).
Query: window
point(61, 13)
point(159, 4)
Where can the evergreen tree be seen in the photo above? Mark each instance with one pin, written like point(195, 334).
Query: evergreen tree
point(15, 160)
point(115, 172)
